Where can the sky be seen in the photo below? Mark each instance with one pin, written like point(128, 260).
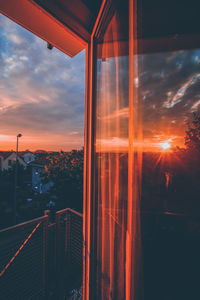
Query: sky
point(41, 93)
point(168, 93)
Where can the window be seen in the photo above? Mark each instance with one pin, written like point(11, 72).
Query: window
point(112, 111)
point(147, 151)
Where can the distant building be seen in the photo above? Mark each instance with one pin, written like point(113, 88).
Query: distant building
point(27, 159)
point(8, 159)
point(38, 173)
point(28, 156)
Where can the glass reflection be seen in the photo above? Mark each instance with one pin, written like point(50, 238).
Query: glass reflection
point(169, 92)
point(170, 97)
point(112, 117)
point(147, 171)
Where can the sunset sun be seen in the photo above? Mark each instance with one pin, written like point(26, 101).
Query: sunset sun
point(166, 145)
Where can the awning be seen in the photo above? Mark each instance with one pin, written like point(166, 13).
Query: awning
point(39, 21)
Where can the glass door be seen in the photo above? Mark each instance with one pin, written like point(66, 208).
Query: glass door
point(147, 152)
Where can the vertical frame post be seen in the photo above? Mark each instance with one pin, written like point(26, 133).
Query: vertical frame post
point(89, 205)
point(88, 173)
point(134, 289)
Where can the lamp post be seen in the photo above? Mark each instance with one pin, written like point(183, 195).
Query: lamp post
point(15, 185)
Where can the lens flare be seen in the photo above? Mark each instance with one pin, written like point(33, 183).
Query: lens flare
point(166, 145)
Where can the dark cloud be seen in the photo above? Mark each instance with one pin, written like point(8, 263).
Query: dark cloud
point(169, 89)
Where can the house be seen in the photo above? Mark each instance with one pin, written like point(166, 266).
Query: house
point(38, 173)
point(8, 159)
point(142, 62)
point(27, 156)
point(26, 159)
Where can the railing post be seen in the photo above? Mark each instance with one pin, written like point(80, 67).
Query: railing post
point(45, 255)
point(47, 212)
point(67, 238)
point(64, 242)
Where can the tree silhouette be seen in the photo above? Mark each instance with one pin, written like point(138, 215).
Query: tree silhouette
point(192, 137)
point(65, 170)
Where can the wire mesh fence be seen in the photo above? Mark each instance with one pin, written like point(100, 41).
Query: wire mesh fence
point(40, 260)
point(51, 262)
point(69, 250)
point(23, 261)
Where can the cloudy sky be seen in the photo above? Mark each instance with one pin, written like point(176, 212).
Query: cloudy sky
point(42, 95)
point(170, 84)
point(169, 93)
point(41, 92)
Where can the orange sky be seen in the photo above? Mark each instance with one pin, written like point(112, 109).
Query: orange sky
point(58, 142)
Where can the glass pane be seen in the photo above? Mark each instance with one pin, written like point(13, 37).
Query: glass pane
point(169, 94)
point(111, 156)
point(148, 156)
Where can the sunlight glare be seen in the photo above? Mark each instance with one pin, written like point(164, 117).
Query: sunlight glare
point(165, 145)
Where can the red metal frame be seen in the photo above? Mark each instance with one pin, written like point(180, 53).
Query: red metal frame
point(89, 207)
point(34, 18)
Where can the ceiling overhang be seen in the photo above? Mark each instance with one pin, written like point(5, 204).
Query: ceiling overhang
point(39, 21)
point(78, 15)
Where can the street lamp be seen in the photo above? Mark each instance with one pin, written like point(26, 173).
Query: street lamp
point(15, 184)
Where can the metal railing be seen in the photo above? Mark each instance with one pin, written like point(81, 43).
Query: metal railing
point(69, 243)
point(23, 260)
point(40, 260)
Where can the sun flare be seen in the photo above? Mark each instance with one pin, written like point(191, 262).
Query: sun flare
point(166, 145)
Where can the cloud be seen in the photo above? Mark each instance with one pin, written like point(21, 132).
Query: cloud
point(195, 106)
point(117, 114)
point(181, 92)
point(16, 39)
point(168, 91)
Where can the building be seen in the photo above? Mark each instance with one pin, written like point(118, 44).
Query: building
point(38, 174)
point(142, 62)
point(8, 159)
point(27, 156)
point(27, 159)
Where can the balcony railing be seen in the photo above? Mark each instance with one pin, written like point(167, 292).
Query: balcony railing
point(42, 260)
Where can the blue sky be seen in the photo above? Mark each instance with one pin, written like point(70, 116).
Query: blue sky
point(41, 92)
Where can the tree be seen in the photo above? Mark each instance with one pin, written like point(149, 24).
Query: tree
point(192, 138)
point(29, 203)
point(65, 170)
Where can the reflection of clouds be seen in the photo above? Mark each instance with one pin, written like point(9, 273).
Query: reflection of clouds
point(114, 141)
point(136, 80)
point(181, 92)
point(153, 143)
point(169, 101)
point(168, 88)
point(195, 106)
point(120, 113)
point(113, 144)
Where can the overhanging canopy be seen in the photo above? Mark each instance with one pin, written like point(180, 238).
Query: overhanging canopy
point(60, 26)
